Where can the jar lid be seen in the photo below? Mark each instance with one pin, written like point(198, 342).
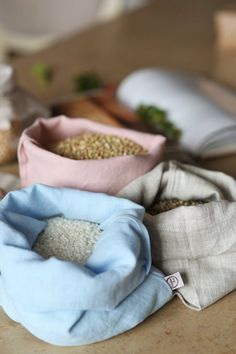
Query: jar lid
point(7, 78)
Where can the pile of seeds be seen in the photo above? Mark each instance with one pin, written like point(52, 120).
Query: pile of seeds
point(67, 239)
point(7, 150)
point(8, 141)
point(169, 204)
point(96, 146)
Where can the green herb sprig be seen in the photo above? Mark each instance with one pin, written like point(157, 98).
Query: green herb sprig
point(87, 81)
point(157, 118)
point(43, 72)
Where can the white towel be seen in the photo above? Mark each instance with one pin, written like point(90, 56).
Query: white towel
point(195, 104)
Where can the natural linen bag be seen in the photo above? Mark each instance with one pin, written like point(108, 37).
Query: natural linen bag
point(198, 241)
point(66, 303)
point(38, 165)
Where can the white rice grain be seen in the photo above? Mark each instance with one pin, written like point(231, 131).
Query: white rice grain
point(67, 239)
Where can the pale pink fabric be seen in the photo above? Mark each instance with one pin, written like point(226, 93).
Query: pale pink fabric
point(37, 165)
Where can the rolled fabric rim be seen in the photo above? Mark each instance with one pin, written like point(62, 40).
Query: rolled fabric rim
point(58, 300)
point(38, 165)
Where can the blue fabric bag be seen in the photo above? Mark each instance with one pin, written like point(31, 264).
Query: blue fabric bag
point(67, 303)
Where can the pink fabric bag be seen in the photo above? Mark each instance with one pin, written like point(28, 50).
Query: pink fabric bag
point(38, 165)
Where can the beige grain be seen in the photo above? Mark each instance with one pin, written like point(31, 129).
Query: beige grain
point(96, 147)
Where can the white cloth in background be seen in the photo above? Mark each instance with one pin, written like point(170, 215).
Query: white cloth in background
point(192, 102)
point(198, 241)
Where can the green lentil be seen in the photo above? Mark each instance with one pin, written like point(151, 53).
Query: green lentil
point(169, 204)
point(96, 146)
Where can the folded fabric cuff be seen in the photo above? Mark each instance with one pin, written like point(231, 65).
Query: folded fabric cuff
point(64, 302)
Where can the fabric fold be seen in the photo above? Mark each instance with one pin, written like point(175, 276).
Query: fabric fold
point(191, 102)
point(198, 241)
point(38, 165)
point(36, 291)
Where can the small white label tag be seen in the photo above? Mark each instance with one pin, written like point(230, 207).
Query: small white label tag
point(174, 280)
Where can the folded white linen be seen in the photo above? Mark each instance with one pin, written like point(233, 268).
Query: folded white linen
point(195, 104)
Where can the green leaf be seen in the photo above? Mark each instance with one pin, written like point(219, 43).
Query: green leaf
point(42, 72)
point(157, 118)
point(87, 81)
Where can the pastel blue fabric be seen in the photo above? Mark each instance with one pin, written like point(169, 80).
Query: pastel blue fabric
point(66, 303)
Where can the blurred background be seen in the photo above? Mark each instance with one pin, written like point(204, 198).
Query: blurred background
point(80, 35)
point(51, 43)
point(29, 25)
